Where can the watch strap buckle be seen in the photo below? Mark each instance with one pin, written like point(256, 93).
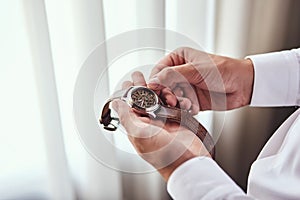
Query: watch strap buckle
point(112, 126)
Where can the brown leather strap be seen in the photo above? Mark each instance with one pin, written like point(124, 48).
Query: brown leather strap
point(186, 119)
point(106, 118)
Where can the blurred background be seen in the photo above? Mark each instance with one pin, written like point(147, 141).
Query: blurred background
point(44, 43)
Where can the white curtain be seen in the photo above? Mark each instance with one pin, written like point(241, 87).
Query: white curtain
point(43, 157)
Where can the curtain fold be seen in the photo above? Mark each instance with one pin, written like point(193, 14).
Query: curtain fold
point(59, 178)
point(141, 14)
point(194, 19)
point(79, 26)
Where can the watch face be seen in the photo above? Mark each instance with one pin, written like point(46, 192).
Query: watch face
point(144, 97)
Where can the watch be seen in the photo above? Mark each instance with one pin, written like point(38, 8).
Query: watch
point(146, 102)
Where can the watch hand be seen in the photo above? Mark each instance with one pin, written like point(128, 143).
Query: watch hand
point(143, 103)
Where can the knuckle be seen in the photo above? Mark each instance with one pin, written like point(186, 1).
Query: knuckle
point(126, 84)
point(166, 72)
point(165, 76)
point(180, 49)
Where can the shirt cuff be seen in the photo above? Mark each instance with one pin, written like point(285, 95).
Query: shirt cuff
point(276, 79)
point(202, 178)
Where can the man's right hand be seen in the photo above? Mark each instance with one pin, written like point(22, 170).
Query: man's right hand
point(202, 81)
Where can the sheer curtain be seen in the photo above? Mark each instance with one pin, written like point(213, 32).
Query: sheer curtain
point(58, 38)
point(42, 156)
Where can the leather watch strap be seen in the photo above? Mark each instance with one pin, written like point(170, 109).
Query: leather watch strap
point(106, 118)
point(186, 119)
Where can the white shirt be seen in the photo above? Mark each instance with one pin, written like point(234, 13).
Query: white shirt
point(276, 172)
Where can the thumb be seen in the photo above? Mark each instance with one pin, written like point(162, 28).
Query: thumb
point(135, 126)
point(115, 105)
point(126, 115)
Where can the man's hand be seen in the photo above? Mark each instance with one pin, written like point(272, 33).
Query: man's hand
point(218, 83)
point(165, 145)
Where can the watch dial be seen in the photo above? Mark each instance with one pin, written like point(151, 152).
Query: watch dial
point(143, 97)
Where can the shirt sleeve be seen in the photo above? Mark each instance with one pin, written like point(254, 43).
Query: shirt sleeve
point(276, 78)
point(202, 178)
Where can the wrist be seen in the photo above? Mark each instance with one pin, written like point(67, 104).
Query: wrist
point(167, 171)
point(187, 155)
point(238, 78)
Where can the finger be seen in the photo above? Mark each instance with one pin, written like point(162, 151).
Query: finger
point(168, 97)
point(194, 110)
point(184, 103)
point(190, 93)
point(145, 119)
point(184, 76)
point(126, 116)
point(126, 84)
point(138, 79)
point(135, 126)
point(170, 76)
point(172, 59)
point(178, 91)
